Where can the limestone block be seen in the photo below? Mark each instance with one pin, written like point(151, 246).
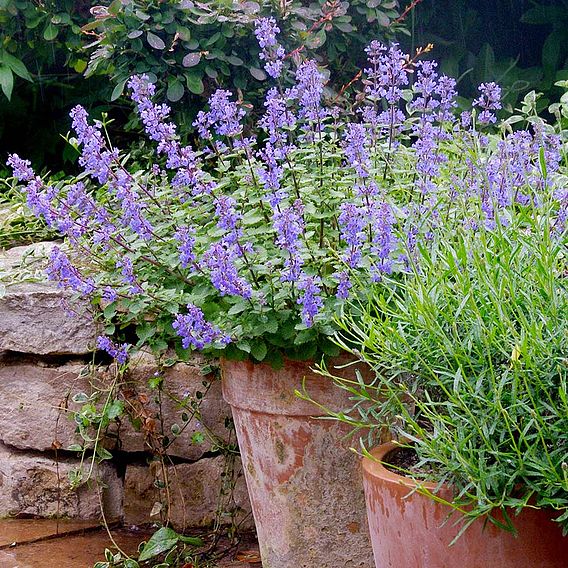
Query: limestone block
point(195, 491)
point(31, 484)
point(181, 384)
point(36, 316)
point(35, 404)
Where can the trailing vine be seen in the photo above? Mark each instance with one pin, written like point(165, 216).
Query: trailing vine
point(116, 397)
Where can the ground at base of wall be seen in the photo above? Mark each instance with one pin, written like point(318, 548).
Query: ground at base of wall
point(37, 543)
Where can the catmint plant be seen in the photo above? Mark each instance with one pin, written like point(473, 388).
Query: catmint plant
point(252, 241)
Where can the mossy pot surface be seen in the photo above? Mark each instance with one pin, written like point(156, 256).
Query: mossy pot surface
point(304, 483)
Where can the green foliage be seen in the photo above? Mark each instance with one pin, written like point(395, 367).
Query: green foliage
point(191, 48)
point(165, 548)
point(521, 45)
point(41, 75)
point(36, 37)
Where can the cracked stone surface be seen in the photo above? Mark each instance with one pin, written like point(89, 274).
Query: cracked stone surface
point(36, 485)
point(35, 404)
point(195, 493)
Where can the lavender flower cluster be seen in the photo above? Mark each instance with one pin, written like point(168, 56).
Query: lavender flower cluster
point(275, 230)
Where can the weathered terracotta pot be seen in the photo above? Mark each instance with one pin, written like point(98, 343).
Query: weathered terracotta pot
point(407, 529)
point(304, 483)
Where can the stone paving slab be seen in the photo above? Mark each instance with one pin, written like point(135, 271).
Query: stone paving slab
point(45, 543)
point(21, 531)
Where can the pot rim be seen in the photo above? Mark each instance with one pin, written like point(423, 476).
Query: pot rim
point(375, 468)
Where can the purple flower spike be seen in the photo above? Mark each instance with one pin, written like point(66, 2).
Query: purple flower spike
point(94, 158)
point(117, 352)
point(21, 169)
point(195, 331)
point(271, 52)
point(310, 299)
point(356, 149)
point(66, 275)
point(344, 284)
point(309, 91)
point(384, 240)
point(224, 116)
point(228, 217)
point(488, 101)
point(289, 225)
point(352, 222)
point(186, 240)
point(387, 73)
point(128, 277)
point(220, 259)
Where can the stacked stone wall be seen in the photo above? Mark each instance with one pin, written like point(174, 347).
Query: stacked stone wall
point(46, 354)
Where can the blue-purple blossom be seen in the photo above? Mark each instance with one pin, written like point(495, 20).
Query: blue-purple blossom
point(387, 74)
point(446, 90)
point(117, 352)
point(228, 217)
point(488, 101)
point(352, 221)
point(61, 270)
point(220, 260)
point(309, 91)
point(344, 284)
point(95, 159)
point(109, 294)
point(124, 188)
point(22, 169)
point(39, 197)
point(428, 157)
point(224, 116)
point(426, 86)
point(128, 276)
point(186, 242)
point(384, 239)
point(153, 116)
point(356, 149)
point(278, 118)
point(271, 175)
point(272, 53)
point(289, 225)
point(310, 298)
point(182, 159)
point(195, 331)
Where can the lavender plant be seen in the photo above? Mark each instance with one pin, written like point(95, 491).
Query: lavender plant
point(469, 339)
point(253, 241)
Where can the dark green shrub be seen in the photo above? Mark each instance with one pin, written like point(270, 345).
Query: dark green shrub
point(195, 47)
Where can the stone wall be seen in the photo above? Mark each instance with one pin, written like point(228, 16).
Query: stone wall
point(46, 343)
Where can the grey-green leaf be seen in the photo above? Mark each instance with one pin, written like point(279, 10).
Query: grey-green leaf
point(155, 41)
point(257, 73)
point(259, 350)
point(191, 59)
point(16, 65)
point(50, 32)
point(118, 90)
point(175, 90)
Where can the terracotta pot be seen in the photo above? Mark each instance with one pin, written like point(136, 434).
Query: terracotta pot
point(407, 530)
point(304, 483)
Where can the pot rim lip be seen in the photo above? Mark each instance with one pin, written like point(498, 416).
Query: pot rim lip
point(375, 469)
point(344, 359)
